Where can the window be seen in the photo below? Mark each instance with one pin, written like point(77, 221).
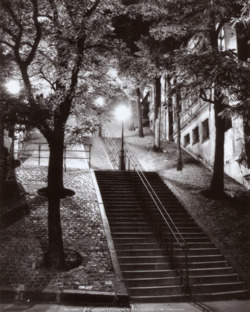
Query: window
point(186, 139)
point(195, 135)
point(205, 130)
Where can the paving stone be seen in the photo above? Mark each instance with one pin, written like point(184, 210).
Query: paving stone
point(23, 242)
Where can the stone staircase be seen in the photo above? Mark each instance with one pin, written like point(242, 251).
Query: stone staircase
point(149, 271)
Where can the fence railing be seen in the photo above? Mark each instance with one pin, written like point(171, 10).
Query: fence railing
point(159, 216)
point(41, 151)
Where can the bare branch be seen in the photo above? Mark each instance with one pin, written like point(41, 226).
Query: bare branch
point(204, 97)
point(47, 57)
point(46, 79)
point(92, 9)
point(12, 14)
point(38, 33)
point(7, 43)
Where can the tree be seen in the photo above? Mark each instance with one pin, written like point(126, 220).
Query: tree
point(6, 119)
point(60, 48)
point(130, 31)
point(199, 65)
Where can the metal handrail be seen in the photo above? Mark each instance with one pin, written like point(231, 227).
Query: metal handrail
point(162, 210)
point(114, 161)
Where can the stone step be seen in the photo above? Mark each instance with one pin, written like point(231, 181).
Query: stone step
point(211, 271)
point(160, 298)
point(146, 226)
point(148, 238)
point(139, 252)
point(209, 264)
point(152, 282)
point(193, 273)
point(155, 290)
point(141, 240)
point(129, 224)
point(223, 295)
point(145, 266)
point(207, 279)
point(137, 218)
point(166, 265)
point(217, 287)
point(198, 251)
point(186, 236)
point(195, 245)
point(128, 215)
point(142, 259)
point(161, 258)
point(148, 273)
point(136, 246)
point(160, 251)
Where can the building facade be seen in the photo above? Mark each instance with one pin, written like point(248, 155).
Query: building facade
point(197, 123)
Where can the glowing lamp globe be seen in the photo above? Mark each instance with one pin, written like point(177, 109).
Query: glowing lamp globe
point(122, 113)
point(13, 86)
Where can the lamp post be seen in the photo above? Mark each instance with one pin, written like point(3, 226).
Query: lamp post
point(99, 103)
point(122, 113)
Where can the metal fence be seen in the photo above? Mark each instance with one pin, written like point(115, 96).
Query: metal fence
point(40, 151)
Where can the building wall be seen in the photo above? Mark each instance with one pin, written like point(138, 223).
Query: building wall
point(197, 118)
point(203, 148)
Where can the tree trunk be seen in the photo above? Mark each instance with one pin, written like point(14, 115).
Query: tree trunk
point(179, 155)
point(156, 146)
point(139, 113)
point(170, 110)
point(55, 256)
point(217, 182)
point(2, 156)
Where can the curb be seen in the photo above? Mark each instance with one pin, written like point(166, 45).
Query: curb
point(65, 296)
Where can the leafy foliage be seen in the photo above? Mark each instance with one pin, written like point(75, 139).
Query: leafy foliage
point(66, 46)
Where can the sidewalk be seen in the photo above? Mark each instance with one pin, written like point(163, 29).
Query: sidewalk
point(219, 306)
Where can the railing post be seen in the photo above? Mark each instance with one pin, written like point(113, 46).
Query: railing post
point(39, 153)
point(90, 156)
point(187, 287)
point(140, 193)
point(64, 158)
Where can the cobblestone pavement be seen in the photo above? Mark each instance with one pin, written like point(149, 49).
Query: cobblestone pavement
point(22, 242)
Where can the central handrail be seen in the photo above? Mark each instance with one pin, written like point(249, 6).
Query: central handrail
point(154, 196)
point(174, 231)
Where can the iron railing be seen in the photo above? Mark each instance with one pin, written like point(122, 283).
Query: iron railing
point(159, 216)
point(41, 151)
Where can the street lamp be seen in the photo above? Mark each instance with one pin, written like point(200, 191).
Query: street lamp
point(13, 87)
point(99, 103)
point(122, 113)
